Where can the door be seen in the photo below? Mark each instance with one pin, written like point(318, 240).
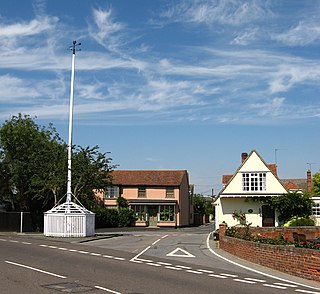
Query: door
point(153, 215)
point(268, 219)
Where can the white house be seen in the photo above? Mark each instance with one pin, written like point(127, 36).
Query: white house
point(243, 192)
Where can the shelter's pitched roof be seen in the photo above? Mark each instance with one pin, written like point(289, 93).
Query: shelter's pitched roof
point(148, 177)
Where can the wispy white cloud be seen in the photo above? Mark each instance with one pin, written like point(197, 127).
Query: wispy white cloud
point(24, 29)
point(105, 30)
point(304, 33)
point(228, 12)
point(12, 88)
point(244, 38)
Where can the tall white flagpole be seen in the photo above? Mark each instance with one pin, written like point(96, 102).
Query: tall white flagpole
point(73, 48)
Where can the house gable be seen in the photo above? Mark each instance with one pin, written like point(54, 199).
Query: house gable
point(253, 164)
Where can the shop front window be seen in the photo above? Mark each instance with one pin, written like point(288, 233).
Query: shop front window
point(140, 212)
point(167, 213)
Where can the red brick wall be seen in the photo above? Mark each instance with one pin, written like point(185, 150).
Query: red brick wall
point(300, 262)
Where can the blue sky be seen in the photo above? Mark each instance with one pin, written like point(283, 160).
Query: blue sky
point(171, 84)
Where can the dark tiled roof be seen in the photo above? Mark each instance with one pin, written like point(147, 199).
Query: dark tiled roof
point(295, 184)
point(148, 177)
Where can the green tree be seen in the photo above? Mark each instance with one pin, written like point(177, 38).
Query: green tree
point(292, 204)
point(201, 205)
point(90, 171)
point(122, 202)
point(316, 184)
point(33, 167)
point(24, 150)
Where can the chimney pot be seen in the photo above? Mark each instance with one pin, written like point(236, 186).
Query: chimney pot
point(244, 156)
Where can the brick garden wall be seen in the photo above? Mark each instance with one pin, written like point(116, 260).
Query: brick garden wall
point(300, 262)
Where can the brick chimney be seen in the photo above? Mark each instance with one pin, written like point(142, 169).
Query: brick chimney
point(244, 156)
point(309, 180)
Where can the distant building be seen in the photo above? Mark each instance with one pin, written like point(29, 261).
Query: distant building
point(158, 197)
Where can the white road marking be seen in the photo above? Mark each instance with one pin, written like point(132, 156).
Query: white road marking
point(205, 271)
point(229, 275)
point(42, 245)
point(194, 272)
point(83, 252)
point(155, 242)
point(136, 261)
point(274, 286)
point(35, 269)
point(144, 260)
point(255, 280)
point(217, 276)
point(62, 248)
point(253, 270)
point(305, 291)
point(153, 264)
point(107, 256)
point(73, 250)
point(13, 241)
point(164, 263)
point(174, 268)
point(53, 247)
point(286, 285)
point(119, 258)
point(245, 281)
point(184, 253)
point(139, 254)
point(3, 240)
point(183, 266)
point(26, 243)
point(107, 290)
point(95, 254)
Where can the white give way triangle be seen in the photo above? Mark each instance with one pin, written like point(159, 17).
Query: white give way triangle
point(183, 253)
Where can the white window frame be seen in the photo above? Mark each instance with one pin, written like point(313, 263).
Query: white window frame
point(112, 192)
point(254, 181)
point(316, 209)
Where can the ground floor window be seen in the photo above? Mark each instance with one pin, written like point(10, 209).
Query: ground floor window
point(140, 212)
point(167, 213)
point(316, 209)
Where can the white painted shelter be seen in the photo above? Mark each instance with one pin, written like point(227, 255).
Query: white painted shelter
point(69, 220)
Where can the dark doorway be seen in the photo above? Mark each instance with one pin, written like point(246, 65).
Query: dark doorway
point(153, 215)
point(268, 219)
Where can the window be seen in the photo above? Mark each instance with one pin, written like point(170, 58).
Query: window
point(142, 192)
point(254, 181)
point(167, 213)
point(169, 193)
point(140, 212)
point(111, 192)
point(316, 209)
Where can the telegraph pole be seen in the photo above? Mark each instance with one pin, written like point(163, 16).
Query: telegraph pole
point(73, 49)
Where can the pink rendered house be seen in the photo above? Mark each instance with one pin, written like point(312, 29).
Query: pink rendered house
point(158, 197)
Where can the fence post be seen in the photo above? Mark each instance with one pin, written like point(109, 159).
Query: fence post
point(21, 222)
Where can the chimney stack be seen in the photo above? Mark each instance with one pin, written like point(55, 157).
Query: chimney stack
point(244, 156)
point(309, 180)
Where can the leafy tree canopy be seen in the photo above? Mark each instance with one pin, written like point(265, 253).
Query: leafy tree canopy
point(292, 204)
point(201, 205)
point(33, 167)
point(316, 184)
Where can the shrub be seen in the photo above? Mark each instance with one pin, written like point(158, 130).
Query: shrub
point(107, 218)
point(300, 222)
point(126, 217)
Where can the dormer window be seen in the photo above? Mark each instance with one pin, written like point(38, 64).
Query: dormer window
point(254, 181)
